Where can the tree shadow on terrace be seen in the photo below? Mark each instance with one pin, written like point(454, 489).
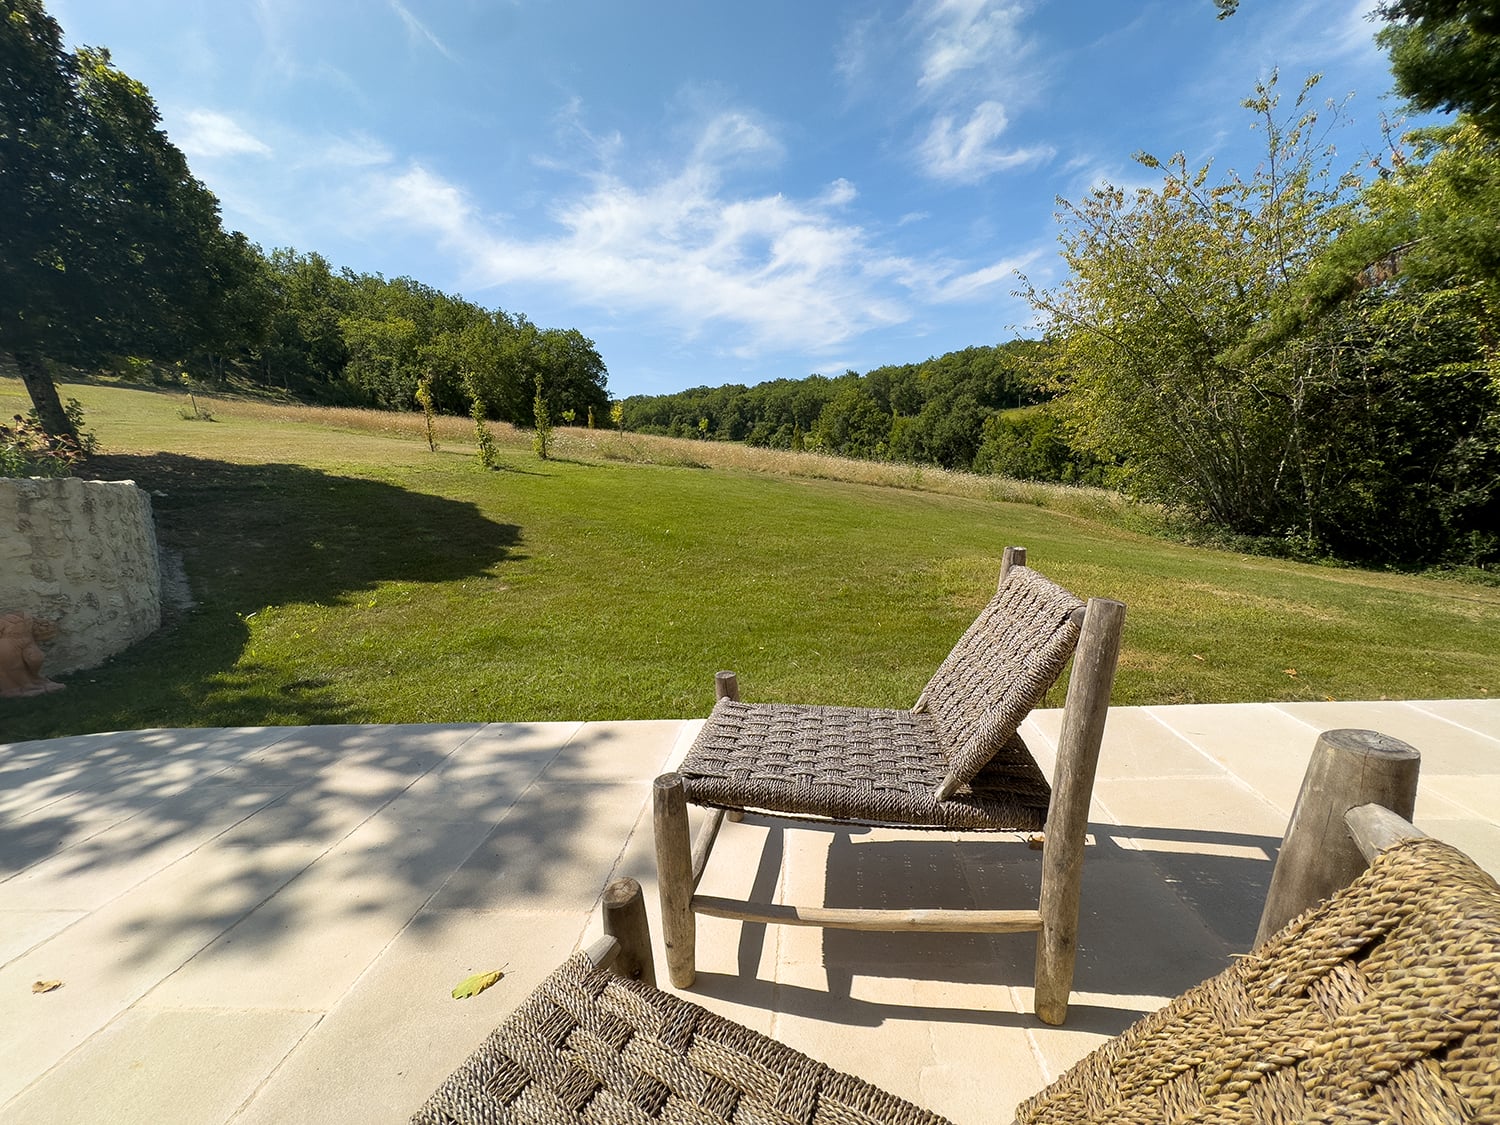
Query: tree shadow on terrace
point(249, 537)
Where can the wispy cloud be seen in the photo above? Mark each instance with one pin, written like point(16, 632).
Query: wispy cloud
point(965, 36)
point(683, 248)
point(418, 31)
point(969, 152)
point(209, 134)
point(357, 151)
point(968, 64)
point(980, 284)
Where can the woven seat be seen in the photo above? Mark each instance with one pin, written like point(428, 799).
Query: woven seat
point(592, 1047)
point(855, 764)
point(1382, 1004)
point(955, 761)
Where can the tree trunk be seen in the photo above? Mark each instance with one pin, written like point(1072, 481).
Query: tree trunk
point(43, 391)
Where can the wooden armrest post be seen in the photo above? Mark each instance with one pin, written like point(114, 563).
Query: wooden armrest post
point(1317, 857)
point(727, 686)
point(625, 921)
point(1084, 713)
point(1014, 556)
point(674, 878)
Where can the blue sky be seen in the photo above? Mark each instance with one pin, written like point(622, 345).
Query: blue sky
point(714, 192)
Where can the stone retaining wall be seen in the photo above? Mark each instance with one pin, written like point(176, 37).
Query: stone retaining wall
point(82, 553)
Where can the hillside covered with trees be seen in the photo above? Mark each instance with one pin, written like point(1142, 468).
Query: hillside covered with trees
point(960, 410)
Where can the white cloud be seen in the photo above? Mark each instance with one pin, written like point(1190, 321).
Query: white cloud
point(970, 65)
point(209, 134)
point(963, 36)
point(969, 152)
point(765, 271)
point(357, 151)
point(980, 283)
point(840, 193)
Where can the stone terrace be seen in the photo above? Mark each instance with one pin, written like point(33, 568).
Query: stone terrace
point(264, 925)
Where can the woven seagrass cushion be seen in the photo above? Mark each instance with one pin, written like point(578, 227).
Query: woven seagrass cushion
point(591, 1048)
point(1380, 1005)
point(1001, 668)
point(856, 764)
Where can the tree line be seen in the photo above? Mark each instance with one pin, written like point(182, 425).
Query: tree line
point(976, 409)
point(1305, 356)
point(113, 255)
point(337, 335)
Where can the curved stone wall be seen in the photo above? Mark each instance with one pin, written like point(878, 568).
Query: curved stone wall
point(82, 553)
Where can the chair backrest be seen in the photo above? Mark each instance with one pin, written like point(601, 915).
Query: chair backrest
point(1001, 668)
point(1380, 1004)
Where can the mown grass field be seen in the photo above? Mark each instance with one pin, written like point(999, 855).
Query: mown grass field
point(342, 572)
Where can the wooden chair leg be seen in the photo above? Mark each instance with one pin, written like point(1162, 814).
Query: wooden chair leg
point(1084, 713)
point(674, 878)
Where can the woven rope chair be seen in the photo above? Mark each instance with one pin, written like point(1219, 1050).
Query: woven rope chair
point(1380, 1005)
point(955, 761)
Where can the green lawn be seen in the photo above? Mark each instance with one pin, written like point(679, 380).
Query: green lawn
point(345, 574)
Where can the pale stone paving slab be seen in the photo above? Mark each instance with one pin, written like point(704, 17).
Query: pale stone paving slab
point(21, 930)
point(385, 1046)
point(110, 959)
point(295, 965)
point(166, 1068)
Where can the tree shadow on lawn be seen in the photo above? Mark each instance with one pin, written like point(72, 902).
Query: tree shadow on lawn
point(250, 537)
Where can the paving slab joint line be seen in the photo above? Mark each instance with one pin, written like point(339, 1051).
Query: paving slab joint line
point(1280, 708)
point(1150, 713)
point(1451, 722)
point(1038, 1055)
point(265, 1080)
point(1218, 765)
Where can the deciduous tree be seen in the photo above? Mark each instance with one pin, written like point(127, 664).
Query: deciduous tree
point(109, 245)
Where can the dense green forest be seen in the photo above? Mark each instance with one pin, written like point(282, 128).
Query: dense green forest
point(1305, 357)
point(327, 335)
point(962, 410)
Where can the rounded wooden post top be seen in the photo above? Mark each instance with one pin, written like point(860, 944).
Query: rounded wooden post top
point(1369, 743)
point(621, 892)
point(668, 781)
point(726, 686)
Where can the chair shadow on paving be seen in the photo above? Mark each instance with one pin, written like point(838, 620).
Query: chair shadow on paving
point(1162, 910)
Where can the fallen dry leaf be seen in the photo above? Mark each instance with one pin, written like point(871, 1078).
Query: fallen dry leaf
point(46, 986)
point(1198, 656)
point(476, 984)
point(1290, 671)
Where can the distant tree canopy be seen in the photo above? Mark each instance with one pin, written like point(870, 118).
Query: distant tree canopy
point(112, 254)
point(961, 410)
point(360, 338)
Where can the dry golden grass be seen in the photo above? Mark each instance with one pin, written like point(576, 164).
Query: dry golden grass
point(581, 444)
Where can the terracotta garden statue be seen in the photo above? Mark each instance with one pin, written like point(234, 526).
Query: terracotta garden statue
point(21, 656)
